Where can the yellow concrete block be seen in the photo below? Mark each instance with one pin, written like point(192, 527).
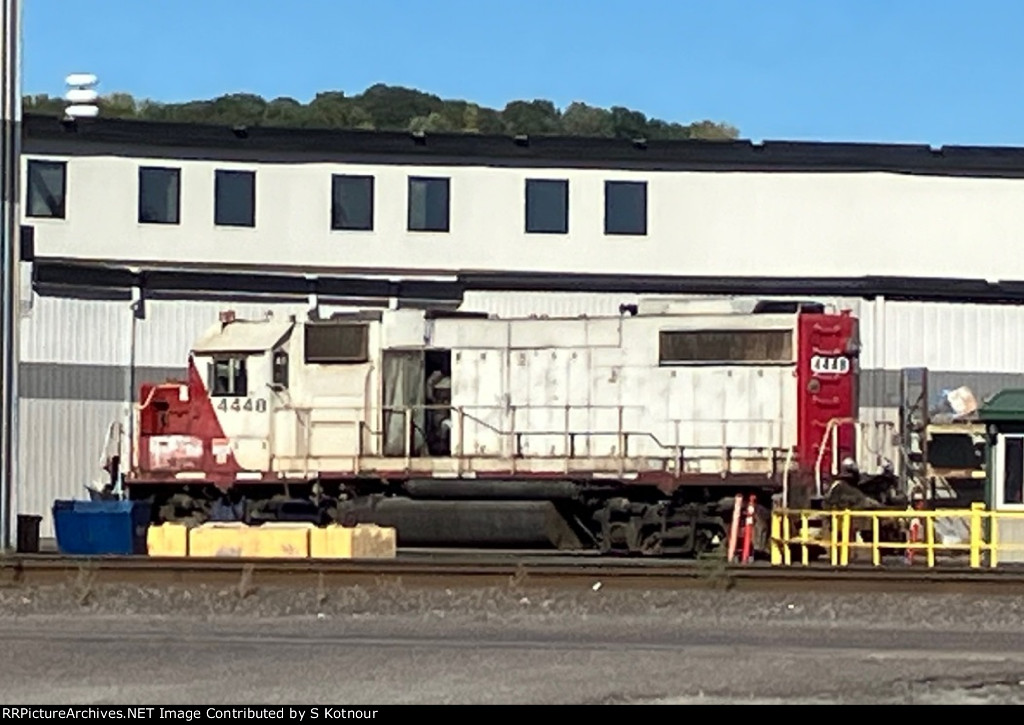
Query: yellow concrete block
point(365, 541)
point(167, 540)
point(278, 541)
point(268, 541)
point(218, 540)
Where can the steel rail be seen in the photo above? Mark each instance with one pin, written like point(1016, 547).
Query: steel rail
point(30, 570)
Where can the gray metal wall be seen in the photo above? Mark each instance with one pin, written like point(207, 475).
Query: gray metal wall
point(76, 354)
point(76, 358)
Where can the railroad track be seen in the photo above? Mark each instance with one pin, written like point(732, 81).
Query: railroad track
point(502, 570)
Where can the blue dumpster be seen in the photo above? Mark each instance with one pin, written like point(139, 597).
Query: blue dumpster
point(97, 528)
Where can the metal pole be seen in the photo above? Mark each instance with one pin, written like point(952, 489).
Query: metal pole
point(10, 173)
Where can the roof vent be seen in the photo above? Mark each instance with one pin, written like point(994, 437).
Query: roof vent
point(522, 139)
point(240, 131)
point(640, 143)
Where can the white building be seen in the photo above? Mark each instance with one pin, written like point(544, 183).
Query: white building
point(178, 222)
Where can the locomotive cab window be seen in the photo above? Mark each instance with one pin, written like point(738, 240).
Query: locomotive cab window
point(337, 343)
point(280, 373)
point(228, 378)
point(725, 347)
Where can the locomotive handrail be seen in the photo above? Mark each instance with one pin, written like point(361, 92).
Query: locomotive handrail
point(832, 430)
point(467, 413)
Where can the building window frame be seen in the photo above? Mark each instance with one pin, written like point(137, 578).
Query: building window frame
point(56, 209)
point(220, 218)
point(175, 209)
point(442, 183)
point(533, 206)
point(613, 227)
point(338, 223)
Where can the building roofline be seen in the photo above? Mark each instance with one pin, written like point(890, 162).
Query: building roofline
point(51, 135)
point(51, 277)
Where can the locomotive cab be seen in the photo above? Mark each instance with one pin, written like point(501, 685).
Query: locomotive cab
point(244, 365)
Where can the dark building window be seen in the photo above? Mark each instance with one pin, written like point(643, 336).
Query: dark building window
point(1013, 470)
point(625, 207)
point(159, 195)
point(337, 342)
point(352, 202)
point(547, 206)
point(428, 204)
point(235, 204)
point(726, 347)
point(46, 182)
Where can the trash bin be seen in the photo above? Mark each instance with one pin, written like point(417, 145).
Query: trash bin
point(28, 533)
point(97, 528)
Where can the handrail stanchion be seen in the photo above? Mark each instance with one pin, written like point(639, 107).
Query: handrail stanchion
point(993, 542)
point(930, 540)
point(846, 538)
point(805, 537)
point(976, 535)
point(834, 536)
point(776, 546)
point(787, 535)
point(876, 551)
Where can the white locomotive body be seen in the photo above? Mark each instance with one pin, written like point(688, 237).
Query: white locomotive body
point(628, 433)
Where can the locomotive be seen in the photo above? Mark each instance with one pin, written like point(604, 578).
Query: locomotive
point(624, 434)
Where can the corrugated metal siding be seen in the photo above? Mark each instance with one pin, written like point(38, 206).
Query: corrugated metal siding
point(171, 328)
point(75, 331)
point(942, 337)
point(60, 444)
point(99, 332)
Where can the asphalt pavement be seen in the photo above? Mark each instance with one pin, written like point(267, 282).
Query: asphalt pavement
point(439, 657)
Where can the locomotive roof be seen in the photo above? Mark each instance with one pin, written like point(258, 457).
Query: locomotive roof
point(243, 336)
point(122, 137)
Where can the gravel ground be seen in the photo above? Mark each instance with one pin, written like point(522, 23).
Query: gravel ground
point(927, 612)
point(76, 643)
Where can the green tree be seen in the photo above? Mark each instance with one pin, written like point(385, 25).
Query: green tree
point(436, 122)
point(579, 119)
point(532, 117)
point(398, 108)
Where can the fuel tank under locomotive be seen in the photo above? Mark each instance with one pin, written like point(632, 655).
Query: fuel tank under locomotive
point(559, 515)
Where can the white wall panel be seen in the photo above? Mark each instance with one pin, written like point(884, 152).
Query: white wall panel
point(699, 223)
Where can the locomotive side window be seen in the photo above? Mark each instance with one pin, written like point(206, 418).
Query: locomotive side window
point(337, 343)
point(280, 368)
point(228, 378)
point(725, 347)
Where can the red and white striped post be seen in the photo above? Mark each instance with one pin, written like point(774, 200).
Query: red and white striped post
point(734, 530)
point(748, 530)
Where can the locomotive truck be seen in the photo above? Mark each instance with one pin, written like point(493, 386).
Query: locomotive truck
point(626, 434)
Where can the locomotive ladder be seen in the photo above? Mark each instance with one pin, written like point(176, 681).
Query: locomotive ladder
point(913, 429)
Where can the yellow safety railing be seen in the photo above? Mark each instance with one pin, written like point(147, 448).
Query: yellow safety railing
point(840, 534)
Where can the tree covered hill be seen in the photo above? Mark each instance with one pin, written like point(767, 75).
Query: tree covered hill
point(393, 108)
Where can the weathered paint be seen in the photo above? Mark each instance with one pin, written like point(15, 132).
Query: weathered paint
point(532, 397)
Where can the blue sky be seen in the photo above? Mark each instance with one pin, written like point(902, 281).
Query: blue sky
point(917, 71)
